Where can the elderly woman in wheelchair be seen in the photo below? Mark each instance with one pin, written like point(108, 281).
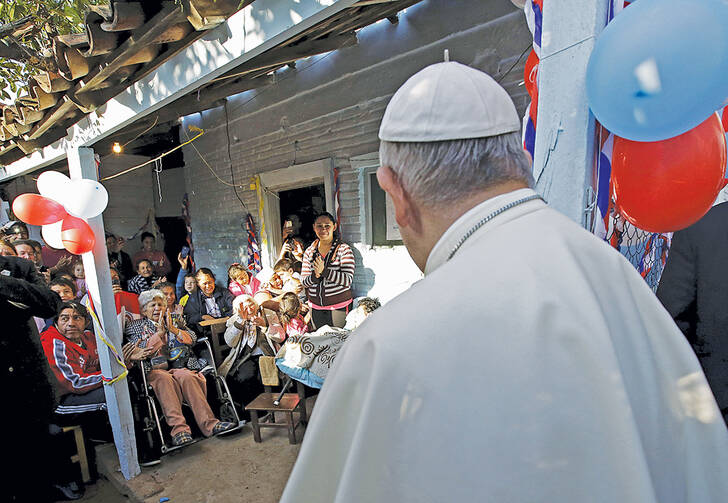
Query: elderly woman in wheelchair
point(170, 367)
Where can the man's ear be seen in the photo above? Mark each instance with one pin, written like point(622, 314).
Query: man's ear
point(406, 213)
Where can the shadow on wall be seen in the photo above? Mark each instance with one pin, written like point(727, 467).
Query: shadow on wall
point(364, 277)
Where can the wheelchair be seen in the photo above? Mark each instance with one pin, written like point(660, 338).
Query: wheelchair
point(153, 436)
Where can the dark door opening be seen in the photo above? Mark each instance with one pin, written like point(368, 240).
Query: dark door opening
point(175, 237)
point(305, 203)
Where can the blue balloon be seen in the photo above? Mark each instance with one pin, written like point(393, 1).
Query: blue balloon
point(660, 68)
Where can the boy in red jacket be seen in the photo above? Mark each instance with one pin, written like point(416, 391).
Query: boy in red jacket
point(73, 357)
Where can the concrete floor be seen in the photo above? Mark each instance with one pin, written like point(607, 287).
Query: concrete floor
point(220, 469)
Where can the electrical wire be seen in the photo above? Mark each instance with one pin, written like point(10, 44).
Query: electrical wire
point(230, 157)
point(278, 81)
point(201, 132)
point(210, 167)
point(143, 132)
point(234, 185)
point(514, 64)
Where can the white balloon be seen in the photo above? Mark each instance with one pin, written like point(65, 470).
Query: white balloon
point(519, 3)
point(86, 198)
point(54, 185)
point(52, 235)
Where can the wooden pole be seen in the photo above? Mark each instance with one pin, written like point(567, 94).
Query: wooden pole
point(81, 164)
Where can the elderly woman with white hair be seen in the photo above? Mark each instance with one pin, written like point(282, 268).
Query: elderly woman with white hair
point(168, 375)
point(252, 332)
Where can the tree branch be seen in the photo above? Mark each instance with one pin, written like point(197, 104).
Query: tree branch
point(16, 27)
point(17, 52)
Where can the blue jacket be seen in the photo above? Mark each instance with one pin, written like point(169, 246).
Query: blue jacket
point(196, 308)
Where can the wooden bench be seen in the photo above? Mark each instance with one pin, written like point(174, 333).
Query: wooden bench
point(290, 403)
point(80, 456)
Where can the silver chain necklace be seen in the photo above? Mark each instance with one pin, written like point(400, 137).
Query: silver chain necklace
point(488, 218)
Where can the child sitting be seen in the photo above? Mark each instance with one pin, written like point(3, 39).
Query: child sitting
point(289, 314)
point(240, 282)
point(79, 278)
point(190, 286)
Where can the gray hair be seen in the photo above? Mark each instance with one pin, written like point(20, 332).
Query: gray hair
point(239, 300)
point(442, 172)
point(149, 295)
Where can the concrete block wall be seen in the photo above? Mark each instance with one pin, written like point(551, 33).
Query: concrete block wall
point(330, 107)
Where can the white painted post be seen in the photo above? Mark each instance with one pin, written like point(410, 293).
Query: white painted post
point(565, 133)
point(81, 164)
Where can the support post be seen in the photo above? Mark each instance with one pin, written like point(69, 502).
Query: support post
point(81, 164)
point(565, 134)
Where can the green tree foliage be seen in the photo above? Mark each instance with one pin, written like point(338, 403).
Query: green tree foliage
point(27, 28)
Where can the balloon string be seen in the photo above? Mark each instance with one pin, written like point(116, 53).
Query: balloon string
point(155, 159)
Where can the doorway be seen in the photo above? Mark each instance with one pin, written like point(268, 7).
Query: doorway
point(303, 188)
point(174, 231)
point(305, 203)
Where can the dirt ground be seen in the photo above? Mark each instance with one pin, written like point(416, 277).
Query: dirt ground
point(102, 491)
point(220, 469)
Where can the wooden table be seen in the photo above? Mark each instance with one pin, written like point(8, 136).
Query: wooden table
point(217, 329)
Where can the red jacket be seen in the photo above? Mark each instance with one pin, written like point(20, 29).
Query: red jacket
point(76, 368)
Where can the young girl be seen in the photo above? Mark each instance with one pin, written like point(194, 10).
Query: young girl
point(241, 282)
point(79, 277)
point(289, 314)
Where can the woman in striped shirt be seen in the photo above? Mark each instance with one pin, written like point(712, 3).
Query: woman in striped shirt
point(328, 271)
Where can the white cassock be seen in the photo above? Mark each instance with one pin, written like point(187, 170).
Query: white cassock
point(534, 366)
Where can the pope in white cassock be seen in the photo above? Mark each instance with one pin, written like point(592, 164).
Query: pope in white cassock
point(531, 364)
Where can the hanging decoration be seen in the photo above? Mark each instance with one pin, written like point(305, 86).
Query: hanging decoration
point(258, 187)
point(150, 225)
point(61, 209)
point(337, 197)
point(657, 244)
point(188, 226)
point(254, 264)
point(99, 329)
point(534, 18)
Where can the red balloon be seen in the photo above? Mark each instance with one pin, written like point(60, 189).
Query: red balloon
point(76, 235)
point(667, 185)
point(35, 209)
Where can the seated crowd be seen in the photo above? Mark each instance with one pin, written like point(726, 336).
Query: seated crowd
point(308, 291)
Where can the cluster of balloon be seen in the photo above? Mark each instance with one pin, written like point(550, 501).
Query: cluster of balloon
point(61, 208)
point(666, 185)
point(656, 76)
